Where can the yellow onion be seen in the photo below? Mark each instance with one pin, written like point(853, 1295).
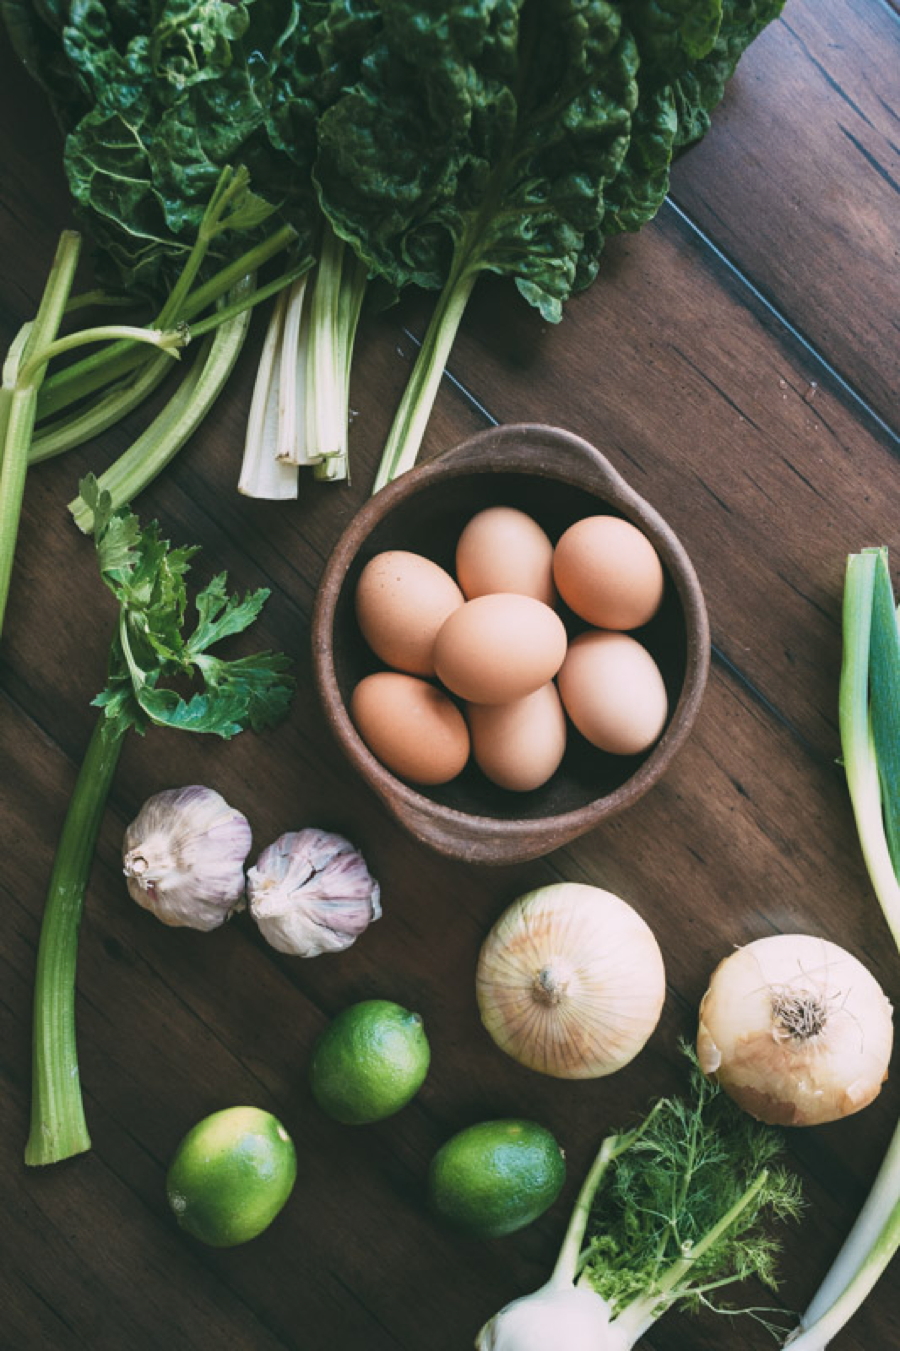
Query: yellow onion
point(570, 981)
point(796, 1030)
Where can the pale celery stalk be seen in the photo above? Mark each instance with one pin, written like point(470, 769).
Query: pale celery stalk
point(18, 402)
point(119, 400)
point(871, 659)
point(58, 1126)
point(263, 475)
point(82, 378)
point(167, 433)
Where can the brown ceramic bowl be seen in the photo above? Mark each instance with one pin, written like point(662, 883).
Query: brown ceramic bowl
point(556, 477)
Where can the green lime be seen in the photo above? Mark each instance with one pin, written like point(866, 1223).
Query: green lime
point(368, 1063)
point(496, 1177)
point(231, 1175)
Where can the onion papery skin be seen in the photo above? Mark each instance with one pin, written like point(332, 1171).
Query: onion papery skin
point(796, 1030)
point(571, 981)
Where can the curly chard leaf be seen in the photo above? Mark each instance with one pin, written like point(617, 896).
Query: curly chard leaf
point(480, 138)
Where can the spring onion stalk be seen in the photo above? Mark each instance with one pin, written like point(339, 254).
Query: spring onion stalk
point(150, 650)
point(869, 718)
point(408, 427)
point(670, 1212)
point(178, 420)
point(22, 375)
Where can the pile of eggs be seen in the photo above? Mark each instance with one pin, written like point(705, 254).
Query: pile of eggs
point(482, 666)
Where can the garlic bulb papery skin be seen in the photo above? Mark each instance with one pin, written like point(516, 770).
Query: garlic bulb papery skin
point(571, 981)
point(570, 1317)
point(311, 892)
point(183, 857)
point(796, 1030)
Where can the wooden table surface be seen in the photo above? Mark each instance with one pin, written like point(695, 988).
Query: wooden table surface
point(739, 362)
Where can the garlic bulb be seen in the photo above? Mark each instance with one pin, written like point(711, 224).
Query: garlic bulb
point(311, 892)
point(183, 857)
point(570, 981)
point(796, 1030)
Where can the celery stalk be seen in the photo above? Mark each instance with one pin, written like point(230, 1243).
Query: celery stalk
point(164, 437)
point(65, 433)
point(20, 401)
point(100, 369)
point(58, 1127)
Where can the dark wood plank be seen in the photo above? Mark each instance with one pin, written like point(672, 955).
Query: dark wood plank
point(799, 183)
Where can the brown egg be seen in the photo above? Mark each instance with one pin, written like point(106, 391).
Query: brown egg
point(498, 648)
point(504, 549)
point(402, 599)
point(412, 727)
point(519, 745)
point(608, 572)
point(613, 691)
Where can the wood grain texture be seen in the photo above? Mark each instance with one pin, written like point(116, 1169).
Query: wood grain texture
point(738, 362)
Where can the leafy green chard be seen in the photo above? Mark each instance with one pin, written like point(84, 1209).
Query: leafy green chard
point(671, 1212)
point(513, 137)
point(508, 119)
point(153, 654)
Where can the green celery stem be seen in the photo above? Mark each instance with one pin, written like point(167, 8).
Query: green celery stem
point(119, 359)
point(411, 419)
point(20, 400)
point(58, 1127)
point(147, 456)
point(121, 399)
point(13, 470)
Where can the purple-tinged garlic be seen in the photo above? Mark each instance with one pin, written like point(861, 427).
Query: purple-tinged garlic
point(184, 857)
point(311, 892)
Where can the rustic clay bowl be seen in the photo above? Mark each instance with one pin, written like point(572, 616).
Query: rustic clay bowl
point(556, 477)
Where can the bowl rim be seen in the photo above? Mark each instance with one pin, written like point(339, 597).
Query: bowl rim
point(473, 456)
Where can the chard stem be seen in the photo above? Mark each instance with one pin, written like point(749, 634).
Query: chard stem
point(58, 1127)
point(408, 428)
point(354, 281)
point(263, 473)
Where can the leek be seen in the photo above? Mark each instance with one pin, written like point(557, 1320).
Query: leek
point(869, 709)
